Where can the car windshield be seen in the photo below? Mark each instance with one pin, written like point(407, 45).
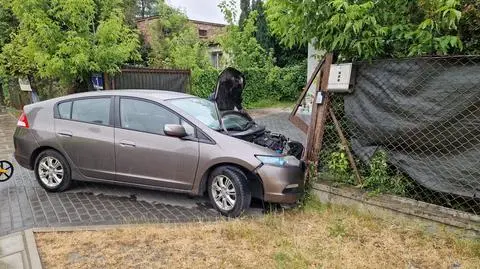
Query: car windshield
point(203, 110)
point(235, 122)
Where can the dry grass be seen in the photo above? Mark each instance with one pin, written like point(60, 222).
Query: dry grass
point(318, 237)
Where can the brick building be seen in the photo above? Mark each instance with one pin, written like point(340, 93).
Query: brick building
point(207, 31)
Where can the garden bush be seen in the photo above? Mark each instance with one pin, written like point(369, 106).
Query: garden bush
point(272, 84)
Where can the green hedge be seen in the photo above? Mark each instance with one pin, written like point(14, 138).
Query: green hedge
point(275, 84)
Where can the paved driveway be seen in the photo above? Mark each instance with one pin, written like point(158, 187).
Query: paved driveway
point(24, 204)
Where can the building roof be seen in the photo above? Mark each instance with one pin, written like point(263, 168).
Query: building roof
point(192, 21)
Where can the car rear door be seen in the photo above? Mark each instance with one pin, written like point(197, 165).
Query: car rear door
point(144, 154)
point(84, 130)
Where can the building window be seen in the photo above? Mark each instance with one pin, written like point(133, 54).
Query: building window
point(216, 58)
point(202, 33)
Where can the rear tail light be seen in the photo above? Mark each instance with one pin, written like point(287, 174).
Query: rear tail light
point(22, 121)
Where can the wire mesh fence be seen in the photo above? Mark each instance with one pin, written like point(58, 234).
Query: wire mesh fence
point(413, 127)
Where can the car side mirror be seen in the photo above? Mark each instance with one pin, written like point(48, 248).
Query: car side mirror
point(175, 130)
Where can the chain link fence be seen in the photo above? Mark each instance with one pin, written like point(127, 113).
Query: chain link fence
point(413, 128)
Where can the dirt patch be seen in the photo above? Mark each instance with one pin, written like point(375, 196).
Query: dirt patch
point(318, 237)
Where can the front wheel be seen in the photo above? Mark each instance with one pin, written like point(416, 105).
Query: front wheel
point(228, 191)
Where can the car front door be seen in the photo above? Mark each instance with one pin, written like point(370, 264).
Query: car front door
point(144, 154)
point(84, 130)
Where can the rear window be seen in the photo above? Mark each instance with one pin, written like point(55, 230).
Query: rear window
point(92, 110)
point(64, 110)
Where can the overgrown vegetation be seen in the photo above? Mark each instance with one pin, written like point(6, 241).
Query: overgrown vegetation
point(378, 176)
point(374, 29)
point(339, 167)
point(265, 81)
point(263, 85)
point(59, 44)
point(175, 42)
point(67, 40)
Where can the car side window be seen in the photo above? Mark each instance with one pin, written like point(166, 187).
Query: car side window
point(64, 110)
point(92, 110)
point(145, 116)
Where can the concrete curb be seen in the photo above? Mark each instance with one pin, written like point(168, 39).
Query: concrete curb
point(115, 226)
point(32, 250)
point(386, 206)
point(92, 227)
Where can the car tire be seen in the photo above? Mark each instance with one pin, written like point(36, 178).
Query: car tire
point(52, 171)
point(221, 182)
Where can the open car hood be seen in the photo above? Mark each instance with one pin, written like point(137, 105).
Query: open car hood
point(228, 79)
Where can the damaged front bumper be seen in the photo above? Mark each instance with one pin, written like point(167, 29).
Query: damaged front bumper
point(284, 185)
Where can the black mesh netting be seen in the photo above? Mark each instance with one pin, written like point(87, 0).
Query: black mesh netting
point(424, 115)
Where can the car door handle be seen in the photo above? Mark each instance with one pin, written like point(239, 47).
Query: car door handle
point(65, 134)
point(125, 143)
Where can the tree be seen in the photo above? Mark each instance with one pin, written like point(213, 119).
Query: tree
point(130, 9)
point(241, 46)
point(8, 23)
point(266, 40)
point(139, 9)
point(244, 12)
point(469, 27)
point(147, 8)
point(175, 42)
point(283, 55)
point(229, 10)
point(368, 29)
point(68, 40)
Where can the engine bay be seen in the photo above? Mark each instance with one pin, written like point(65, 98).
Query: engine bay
point(241, 125)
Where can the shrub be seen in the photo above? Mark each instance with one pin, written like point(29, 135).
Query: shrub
point(204, 82)
point(380, 179)
point(273, 84)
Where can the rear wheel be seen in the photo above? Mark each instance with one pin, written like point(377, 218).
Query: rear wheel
point(228, 191)
point(52, 171)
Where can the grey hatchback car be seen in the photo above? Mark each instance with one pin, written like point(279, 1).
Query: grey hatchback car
point(151, 139)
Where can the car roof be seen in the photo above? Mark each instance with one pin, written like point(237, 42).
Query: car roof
point(157, 94)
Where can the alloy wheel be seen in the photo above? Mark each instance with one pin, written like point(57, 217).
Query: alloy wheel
point(223, 192)
point(50, 171)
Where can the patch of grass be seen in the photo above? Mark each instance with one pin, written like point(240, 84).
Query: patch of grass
point(316, 236)
point(337, 229)
point(285, 259)
point(270, 104)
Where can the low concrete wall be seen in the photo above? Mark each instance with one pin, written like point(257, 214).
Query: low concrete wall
point(387, 206)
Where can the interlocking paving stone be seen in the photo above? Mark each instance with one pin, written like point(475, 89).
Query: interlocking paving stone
point(24, 204)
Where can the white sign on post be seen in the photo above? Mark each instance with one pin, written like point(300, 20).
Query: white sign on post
point(339, 78)
point(24, 84)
